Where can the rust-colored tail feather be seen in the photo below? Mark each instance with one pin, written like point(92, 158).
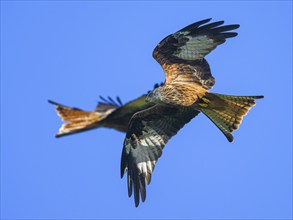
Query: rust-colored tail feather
point(76, 120)
point(226, 111)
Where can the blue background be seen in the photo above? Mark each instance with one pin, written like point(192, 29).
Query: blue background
point(72, 52)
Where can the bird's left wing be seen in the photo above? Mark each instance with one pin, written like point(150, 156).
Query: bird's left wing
point(109, 112)
point(77, 120)
point(148, 132)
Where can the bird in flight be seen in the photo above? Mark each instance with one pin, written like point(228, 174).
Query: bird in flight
point(151, 120)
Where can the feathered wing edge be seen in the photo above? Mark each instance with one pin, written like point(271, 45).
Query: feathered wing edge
point(184, 50)
point(77, 120)
point(149, 130)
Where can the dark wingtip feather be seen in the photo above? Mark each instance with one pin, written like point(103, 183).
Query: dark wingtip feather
point(259, 97)
point(142, 187)
point(56, 103)
point(104, 100)
point(119, 101)
point(195, 25)
point(123, 164)
point(129, 185)
point(204, 21)
point(52, 102)
point(209, 26)
point(122, 169)
point(220, 32)
point(227, 35)
point(229, 137)
point(136, 191)
point(198, 23)
point(110, 101)
point(225, 28)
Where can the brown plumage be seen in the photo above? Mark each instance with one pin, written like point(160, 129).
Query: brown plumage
point(108, 113)
point(183, 95)
point(153, 119)
point(77, 120)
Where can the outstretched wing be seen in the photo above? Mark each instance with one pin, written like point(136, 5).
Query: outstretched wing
point(109, 113)
point(148, 132)
point(182, 53)
point(77, 120)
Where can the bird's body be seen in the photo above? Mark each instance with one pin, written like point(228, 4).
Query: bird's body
point(165, 110)
point(178, 94)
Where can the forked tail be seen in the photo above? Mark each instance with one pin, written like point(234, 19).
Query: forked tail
point(226, 111)
point(75, 120)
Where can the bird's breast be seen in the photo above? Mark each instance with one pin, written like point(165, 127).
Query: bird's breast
point(182, 94)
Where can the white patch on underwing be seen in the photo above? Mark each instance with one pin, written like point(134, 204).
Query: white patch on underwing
point(153, 138)
point(143, 143)
point(146, 168)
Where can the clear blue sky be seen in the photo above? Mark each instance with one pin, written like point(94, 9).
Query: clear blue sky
point(74, 51)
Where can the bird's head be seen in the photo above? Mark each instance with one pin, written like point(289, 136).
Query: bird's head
point(154, 96)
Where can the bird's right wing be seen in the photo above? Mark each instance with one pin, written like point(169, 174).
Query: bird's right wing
point(182, 53)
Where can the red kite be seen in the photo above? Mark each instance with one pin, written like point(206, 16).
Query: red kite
point(151, 120)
